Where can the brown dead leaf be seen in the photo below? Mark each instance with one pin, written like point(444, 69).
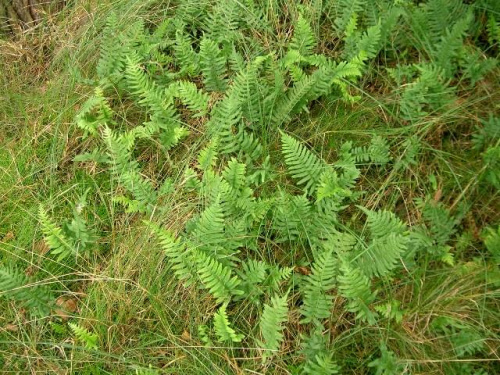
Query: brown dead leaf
point(438, 195)
point(303, 270)
point(67, 306)
point(41, 247)
point(186, 335)
point(11, 327)
point(8, 236)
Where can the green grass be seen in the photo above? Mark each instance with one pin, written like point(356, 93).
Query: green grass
point(122, 287)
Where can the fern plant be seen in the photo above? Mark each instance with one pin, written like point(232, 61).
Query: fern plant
point(273, 316)
point(223, 328)
point(303, 165)
point(35, 297)
point(388, 243)
point(355, 287)
point(54, 236)
point(317, 304)
point(88, 338)
point(213, 65)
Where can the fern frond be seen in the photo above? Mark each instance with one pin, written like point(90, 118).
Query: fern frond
point(88, 338)
point(187, 58)
point(386, 364)
point(383, 223)
point(179, 255)
point(317, 304)
point(112, 53)
point(15, 285)
point(491, 240)
point(355, 287)
point(447, 51)
point(318, 358)
point(292, 218)
point(56, 240)
point(389, 241)
point(271, 324)
point(196, 100)
point(95, 112)
point(302, 164)
point(235, 174)
point(252, 275)
point(223, 122)
point(208, 156)
point(293, 101)
point(303, 39)
point(322, 364)
point(213, 65)
point(209, 229)
point(223, 328)
point(217, 278)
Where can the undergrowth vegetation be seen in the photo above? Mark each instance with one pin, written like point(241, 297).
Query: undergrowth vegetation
point(261, 187)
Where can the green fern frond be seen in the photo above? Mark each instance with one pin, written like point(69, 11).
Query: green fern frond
point(383, 223)
point(293, 101)
point(317, 304)
point(303, 39)
point(186, 57)
point(448, 49)
point(112, 54)
point(223, 328)
point(56, 240)
point(391, 310)
point(292, 217)
point(322, 364)
point(196, 100)
point(88, 338)
point(217, 278)
point(302, 164)
point(387, 364)
point(491, 238)
point(223, 22)
point(347, 10)
point(252, 275)
point(213, 65)
point(127, 170)
point(355, 287)
point(224, 120)
point(209, 229)
point(493, 29)
point(488, 133)
point(15, 285)
point(389, 242)
point(235, 174)
point(180, 257)
point(271, 324)
point(148, 93)
point(208, 156)
point(95, 112)
point(118, 151)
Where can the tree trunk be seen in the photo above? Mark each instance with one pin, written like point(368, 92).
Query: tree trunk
point(18, 15)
